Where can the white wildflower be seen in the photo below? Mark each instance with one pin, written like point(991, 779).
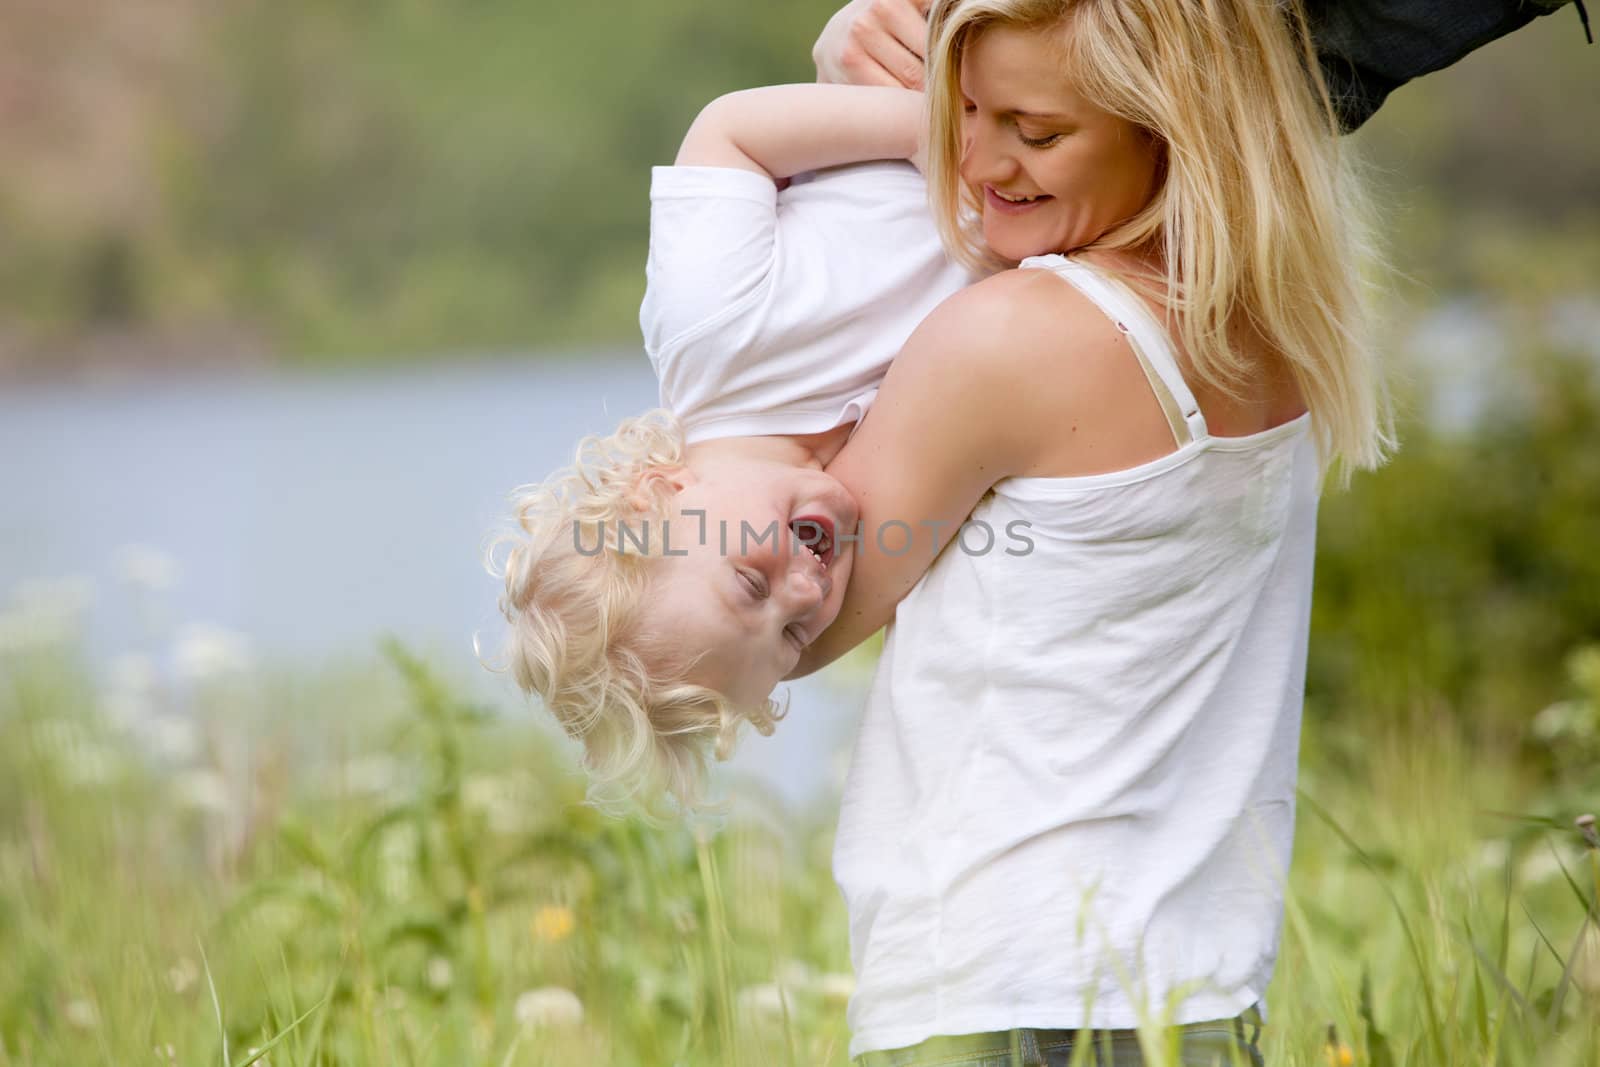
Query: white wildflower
point(203, 790)
point(498, 799)
point(183, 975)
point(130, 689)
point(205, 652)
point(81, 1014)
point(549, 1006)
point(1540, 865)
point(835, 987)
point(795, 974)
point(440, 974)
point(173, 738)
point(1490, 856)
point(765, 1001)
point(1563, 720)
point(146, 568)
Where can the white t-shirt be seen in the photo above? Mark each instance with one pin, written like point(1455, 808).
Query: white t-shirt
point(1072, 792)
point(771, 312)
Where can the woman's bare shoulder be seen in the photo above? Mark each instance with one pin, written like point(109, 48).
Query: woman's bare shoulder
point(1021, 321)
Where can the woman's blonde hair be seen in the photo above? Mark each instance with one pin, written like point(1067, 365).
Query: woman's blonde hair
point(1260, 222)
point(573, 597)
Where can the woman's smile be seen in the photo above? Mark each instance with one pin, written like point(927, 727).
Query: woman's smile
point(1056, 171)
point(1013, 203)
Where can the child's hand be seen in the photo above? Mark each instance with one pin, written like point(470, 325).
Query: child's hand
point(874, 42)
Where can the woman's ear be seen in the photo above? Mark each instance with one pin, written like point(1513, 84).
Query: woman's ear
point(656, 484)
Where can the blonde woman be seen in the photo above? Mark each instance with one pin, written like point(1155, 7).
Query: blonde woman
point(1071, 801)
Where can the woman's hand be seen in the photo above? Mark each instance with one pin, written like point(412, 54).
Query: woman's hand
point(874, 42)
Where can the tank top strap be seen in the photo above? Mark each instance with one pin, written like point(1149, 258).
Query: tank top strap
point(1146, 336)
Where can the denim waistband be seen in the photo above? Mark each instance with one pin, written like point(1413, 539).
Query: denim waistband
point(1028, 1046)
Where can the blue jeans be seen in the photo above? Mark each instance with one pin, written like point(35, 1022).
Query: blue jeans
point(1224, 1043)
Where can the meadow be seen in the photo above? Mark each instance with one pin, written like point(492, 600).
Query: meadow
point(229, 865)
point(209, 856)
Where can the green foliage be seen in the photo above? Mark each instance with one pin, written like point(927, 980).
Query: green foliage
point(420, 177)
point(465, 906)
point(437, 177)
point(1568, 731)
point(455, 907)
point(1462, 572)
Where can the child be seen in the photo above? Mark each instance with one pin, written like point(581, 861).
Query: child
point(662, 586)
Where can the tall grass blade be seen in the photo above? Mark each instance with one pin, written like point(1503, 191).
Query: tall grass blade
point(216, 1001)
point(272, 1042)
point(1480, 999)
point(718, 931)
point(1435, 1028)
point(1503, 957)
point(1558, 998)
point(1502, 980)
point(1590, 908)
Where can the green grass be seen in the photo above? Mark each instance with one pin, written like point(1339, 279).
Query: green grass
point(355, 871)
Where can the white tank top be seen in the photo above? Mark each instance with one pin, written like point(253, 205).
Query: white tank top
point(1072, 792)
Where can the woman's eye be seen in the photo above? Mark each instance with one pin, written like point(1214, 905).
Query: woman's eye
point(755, 583)
point(1040, 142)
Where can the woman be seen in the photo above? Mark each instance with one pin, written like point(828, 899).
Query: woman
point(1071, 800)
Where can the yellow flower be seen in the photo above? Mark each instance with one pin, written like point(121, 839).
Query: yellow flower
point(552, 923)
point(1340, 1055)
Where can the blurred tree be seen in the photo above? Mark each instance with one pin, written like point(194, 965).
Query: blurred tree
point(420, 176)
point(457, 176)
point(1460, 575)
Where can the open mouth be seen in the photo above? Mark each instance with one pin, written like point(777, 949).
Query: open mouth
point(1011, 202)
point(815, 534)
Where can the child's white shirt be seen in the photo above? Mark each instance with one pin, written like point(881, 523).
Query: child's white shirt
point(778, 312)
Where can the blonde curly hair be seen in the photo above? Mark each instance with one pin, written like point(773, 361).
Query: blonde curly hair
point(574, 597)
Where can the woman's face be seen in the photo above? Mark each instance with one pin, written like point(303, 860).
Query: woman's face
point(740, 588)
point(1053, 171)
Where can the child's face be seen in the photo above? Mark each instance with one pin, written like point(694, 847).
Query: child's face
point(734, 579)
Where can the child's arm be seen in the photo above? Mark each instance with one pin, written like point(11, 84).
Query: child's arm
point(784, 130)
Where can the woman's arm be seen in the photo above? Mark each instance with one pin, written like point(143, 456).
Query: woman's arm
point(784, 130)
point(977, 394)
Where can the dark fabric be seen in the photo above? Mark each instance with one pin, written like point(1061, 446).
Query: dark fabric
point(1369, 48)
